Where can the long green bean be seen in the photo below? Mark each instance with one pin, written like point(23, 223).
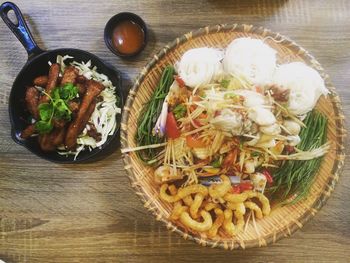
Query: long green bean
point(294, 178)
point(149, 116)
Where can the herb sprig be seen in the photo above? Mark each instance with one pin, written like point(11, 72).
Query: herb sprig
point(56, 108)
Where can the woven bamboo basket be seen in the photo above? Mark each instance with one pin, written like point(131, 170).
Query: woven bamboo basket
point(282, 221)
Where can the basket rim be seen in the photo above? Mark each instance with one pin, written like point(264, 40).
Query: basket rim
point(340, 136)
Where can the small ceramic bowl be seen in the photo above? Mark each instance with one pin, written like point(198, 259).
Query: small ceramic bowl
point(117, 19)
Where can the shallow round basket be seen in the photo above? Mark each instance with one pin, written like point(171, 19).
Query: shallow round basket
point(282, 221)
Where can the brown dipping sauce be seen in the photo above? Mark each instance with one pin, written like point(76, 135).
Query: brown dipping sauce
point(128, 37)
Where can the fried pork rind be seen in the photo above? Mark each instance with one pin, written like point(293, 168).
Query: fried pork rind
point(266, 209)
point(212, 232)
point(178, 210)
point(166, 197)
point(236, 198)
point(188, 200)
point(210, 206)
point(207, 223)
point(197, 202)
point(228, 225)
point(219, 190)
point(172, 189)
point(198, 207)
point(239, 211)
point(255, 208)
point(192, 189)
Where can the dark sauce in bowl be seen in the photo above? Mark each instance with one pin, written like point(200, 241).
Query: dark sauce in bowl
point(128, 37)
point(125, 34)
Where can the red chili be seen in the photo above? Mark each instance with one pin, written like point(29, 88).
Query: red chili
point(268, 176)
point(244, 186)
point(180, 81)
point(235, 189)
point(230, 158)
point(171, 129)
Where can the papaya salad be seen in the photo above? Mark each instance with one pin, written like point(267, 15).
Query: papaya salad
point(229, 131)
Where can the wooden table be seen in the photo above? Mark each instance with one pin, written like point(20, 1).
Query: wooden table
point(89, 213)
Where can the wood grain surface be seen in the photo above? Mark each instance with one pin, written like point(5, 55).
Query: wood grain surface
point(89, 213)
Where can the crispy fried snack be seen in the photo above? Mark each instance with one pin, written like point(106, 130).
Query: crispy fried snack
point(178, 210)
point(229, 209)
point(197, 202)
point(266, 209)
point(188, 200)
point(239, 211)
point(239, 207)
point(228, 225)
point(219, 190)
point(236, 198)
point(255, 208)
point(172, 189)
point(212, 232)
point(168, 198)
point(195, 225)
point(210, 206)
point(192, 189)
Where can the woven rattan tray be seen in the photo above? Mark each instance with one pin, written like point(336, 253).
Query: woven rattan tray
point(283, 221)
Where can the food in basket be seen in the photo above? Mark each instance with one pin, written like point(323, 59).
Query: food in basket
point(73, 108)
point(230, 132)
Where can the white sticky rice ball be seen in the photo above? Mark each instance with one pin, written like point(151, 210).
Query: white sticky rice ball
point(250, 58)
point(305, 85)
point(200, 66)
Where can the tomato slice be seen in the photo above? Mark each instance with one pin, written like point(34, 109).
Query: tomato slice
point(171, 129)
point(194, 142)
point(268, 176)
point(244, 186)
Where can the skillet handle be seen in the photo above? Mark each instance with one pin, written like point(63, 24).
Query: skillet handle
point(20, 29)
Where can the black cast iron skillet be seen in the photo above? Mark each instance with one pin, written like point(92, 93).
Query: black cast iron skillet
point(37, 65)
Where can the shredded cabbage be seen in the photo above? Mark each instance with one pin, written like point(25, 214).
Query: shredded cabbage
point(104, 115)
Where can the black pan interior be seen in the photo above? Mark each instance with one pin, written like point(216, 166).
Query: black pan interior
point(20, 117)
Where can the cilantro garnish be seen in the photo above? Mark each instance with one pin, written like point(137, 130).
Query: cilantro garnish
point(57, 108)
